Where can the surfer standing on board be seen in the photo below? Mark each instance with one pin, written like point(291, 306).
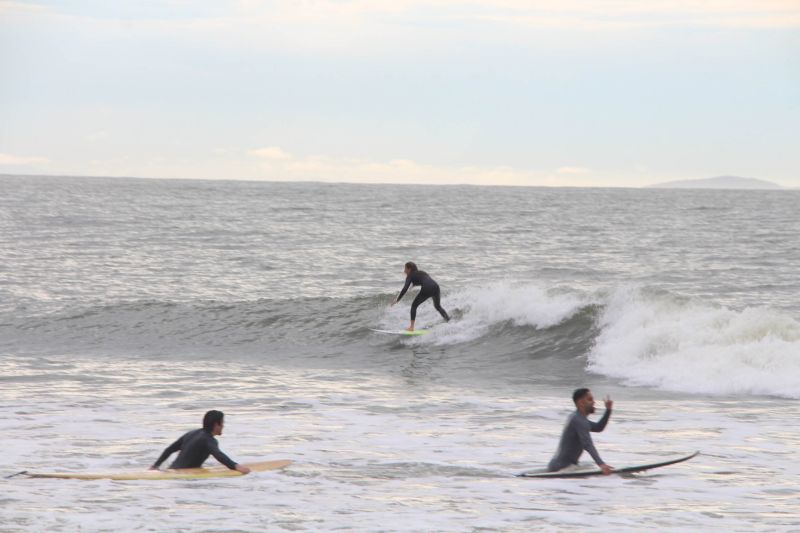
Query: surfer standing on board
point(429, 289)
point(576, 436)
point(196, 445)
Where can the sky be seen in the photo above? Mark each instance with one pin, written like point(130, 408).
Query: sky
point(499, 92)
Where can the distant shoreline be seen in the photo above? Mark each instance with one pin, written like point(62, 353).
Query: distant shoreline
point(720, 182)
point(699, 184)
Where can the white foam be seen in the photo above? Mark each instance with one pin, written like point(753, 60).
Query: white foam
point(694, 347)
point(481, 308)
point(365, 446)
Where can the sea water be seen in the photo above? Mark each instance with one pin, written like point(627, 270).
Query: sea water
point(130, 307)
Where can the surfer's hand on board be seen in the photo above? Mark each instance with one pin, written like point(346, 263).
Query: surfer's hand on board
point(154, 467)
point(243, 469)
point(609, 403)
point(606, 469)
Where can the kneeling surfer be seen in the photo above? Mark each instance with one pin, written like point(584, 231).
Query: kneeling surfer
point(428, 289)
point(576, 437)
point(196, 445)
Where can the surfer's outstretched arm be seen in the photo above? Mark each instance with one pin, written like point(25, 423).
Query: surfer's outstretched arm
point(582, 427)
point(213, 448)
point(403, 292)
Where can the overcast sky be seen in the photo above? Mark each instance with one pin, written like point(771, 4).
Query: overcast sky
point(534, 92)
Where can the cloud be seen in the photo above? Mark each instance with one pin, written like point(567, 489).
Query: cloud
point(249, 19)
point(97, 136)
point(270, 152)
point(622, 15)
point(371, 18)
point(573, 170)
point(20, 7)
point(16, 160)
point(404, 171)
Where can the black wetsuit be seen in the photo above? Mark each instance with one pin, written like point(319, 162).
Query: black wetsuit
point(195, 447)
point(428, 289)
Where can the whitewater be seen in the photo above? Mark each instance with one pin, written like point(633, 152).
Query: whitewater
point(129, 307)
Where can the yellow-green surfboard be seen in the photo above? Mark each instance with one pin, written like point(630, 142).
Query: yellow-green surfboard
point(402, 332)
point(183, 473)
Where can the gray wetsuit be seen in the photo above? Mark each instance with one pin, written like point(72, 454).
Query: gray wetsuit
point(575, 439)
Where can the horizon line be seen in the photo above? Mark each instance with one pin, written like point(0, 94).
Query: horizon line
point(654, 186)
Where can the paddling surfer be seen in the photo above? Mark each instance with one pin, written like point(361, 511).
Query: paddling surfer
point(196, 445)
point(576, 436)
point(428, 289)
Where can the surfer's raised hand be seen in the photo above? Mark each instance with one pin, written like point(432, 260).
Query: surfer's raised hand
point(393, 302)
point(609, 403)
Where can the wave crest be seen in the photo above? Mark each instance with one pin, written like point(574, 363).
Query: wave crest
point(486, 310)
point(685, 346)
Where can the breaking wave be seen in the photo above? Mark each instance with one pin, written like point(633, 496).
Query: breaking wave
point(637, 336)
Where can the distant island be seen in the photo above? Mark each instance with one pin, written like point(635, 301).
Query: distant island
point(719, 182)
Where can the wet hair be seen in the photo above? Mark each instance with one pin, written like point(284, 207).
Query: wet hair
point(412, 266)
point(578, 394)
point(211, 418)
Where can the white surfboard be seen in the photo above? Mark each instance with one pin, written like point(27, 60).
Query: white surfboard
point(415, 333)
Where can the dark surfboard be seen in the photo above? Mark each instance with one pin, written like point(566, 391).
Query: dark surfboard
point(588, 472)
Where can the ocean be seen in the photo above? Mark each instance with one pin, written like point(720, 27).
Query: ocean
point(129, 307)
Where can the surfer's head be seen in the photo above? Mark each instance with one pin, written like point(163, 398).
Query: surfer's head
point(213, 422)
point(584, 400)
point(410, 267)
